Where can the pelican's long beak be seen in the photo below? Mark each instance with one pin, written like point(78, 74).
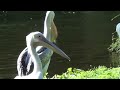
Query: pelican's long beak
point(52, 46)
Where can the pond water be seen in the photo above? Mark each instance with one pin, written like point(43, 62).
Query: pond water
point(84, 36)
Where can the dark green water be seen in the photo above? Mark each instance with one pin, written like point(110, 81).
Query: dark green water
point(84, 37)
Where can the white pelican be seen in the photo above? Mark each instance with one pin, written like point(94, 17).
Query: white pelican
point(24, 62)
point(118, 29)
point(33, 40)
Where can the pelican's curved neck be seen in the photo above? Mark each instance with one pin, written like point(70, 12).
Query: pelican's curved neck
point(35, 58)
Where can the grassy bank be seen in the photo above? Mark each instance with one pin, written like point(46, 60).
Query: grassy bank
point(101, 72)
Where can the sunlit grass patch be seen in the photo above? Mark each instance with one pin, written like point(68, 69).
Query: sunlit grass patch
point(101, 72)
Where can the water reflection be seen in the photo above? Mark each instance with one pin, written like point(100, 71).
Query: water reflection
point(83, 36)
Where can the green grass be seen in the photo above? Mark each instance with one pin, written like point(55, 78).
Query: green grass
point(100, 72)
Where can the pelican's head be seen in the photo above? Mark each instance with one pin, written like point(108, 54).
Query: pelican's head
point(50, 14)
point(37, 39)
point(118, 29)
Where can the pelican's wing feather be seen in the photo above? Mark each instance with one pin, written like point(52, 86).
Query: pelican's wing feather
point(22, 62)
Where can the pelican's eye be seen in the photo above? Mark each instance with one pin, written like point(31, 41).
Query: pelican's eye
point(39, 36)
